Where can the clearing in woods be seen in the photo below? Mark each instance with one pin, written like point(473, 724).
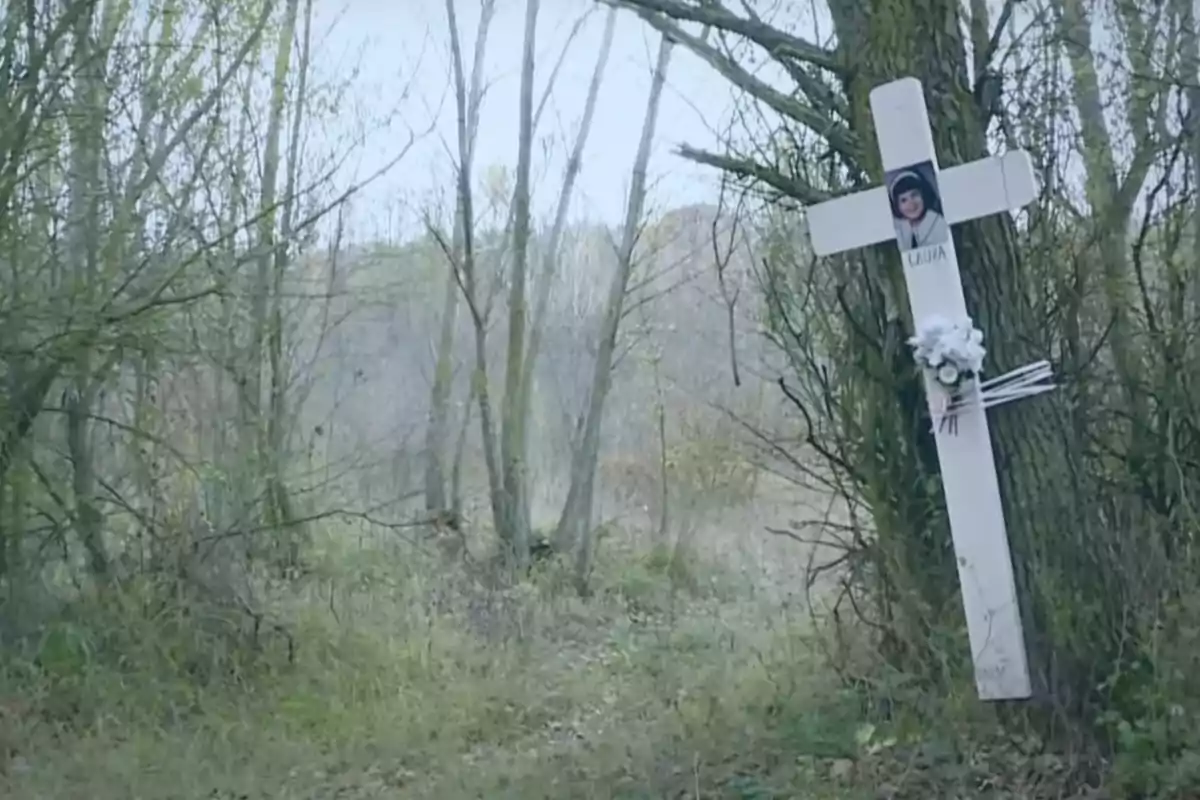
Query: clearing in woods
point(696, 678)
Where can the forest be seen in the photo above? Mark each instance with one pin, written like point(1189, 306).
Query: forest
point(517, 501)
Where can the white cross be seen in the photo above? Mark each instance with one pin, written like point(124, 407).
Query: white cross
point(981, 188)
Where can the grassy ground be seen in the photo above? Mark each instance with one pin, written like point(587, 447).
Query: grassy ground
point(410, 680)
point(410, 686)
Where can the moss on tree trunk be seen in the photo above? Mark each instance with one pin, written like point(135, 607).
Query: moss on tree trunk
point(1050, 531)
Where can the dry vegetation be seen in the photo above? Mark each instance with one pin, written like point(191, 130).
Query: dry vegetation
point(386, 672)
point(412, 679)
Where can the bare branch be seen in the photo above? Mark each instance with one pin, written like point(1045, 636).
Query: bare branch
point(779, 44)
point(753, 170)
point(838, 135)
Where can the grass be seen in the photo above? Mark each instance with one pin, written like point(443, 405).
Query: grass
point(411, 681)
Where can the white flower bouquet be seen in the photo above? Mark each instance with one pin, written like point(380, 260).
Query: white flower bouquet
point(951, 351)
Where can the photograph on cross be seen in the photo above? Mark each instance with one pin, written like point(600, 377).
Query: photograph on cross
point(917, 211)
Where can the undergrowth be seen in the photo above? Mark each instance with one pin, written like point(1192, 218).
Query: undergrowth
point(387, 673)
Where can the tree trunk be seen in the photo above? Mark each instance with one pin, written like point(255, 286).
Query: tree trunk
point(463, 267)
point(439, 393)
point(1051, 527)
point(279, 498)
point(514, 527)
point(553, 249)
point(662, 526)
point(460, 451)
point(574, 525)
point(265, 315)
point(84, 181)
point(438, 426)
point(1111, 198)
point(1051, 516)
point(1062, 553)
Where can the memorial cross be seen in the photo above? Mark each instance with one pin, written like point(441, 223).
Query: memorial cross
point(916, 206)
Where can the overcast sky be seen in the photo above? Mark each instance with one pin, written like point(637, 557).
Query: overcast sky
point(404, 44)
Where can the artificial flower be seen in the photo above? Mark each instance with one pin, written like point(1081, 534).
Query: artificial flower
point(953, 350)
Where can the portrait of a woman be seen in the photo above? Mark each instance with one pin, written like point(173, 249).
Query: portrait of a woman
point(917, 211)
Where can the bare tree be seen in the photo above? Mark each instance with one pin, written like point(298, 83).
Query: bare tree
point(513, 523)
point(552, 249)
point(263, 394)
point(149, 286)
point(574, 526)
point(468, 98)
point(85, 182)
point(1111, 191)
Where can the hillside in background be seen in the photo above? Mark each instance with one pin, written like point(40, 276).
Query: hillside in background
point(379, 352)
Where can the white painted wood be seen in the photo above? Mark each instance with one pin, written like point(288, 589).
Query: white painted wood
point(850, 221)
point(935, 287)
point(864, 218)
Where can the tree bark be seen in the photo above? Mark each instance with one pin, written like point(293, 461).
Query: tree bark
point(1111, 198)
point(438, 427)
point(553, 248)
point(575, 522)
point(514, 527)
point(279, 499)
point(464, 272)
point(85, 185)
point(1048, 499)
point(265, 367)
point(1044, 493)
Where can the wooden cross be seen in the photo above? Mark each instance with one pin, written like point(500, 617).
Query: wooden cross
point(915, 208)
